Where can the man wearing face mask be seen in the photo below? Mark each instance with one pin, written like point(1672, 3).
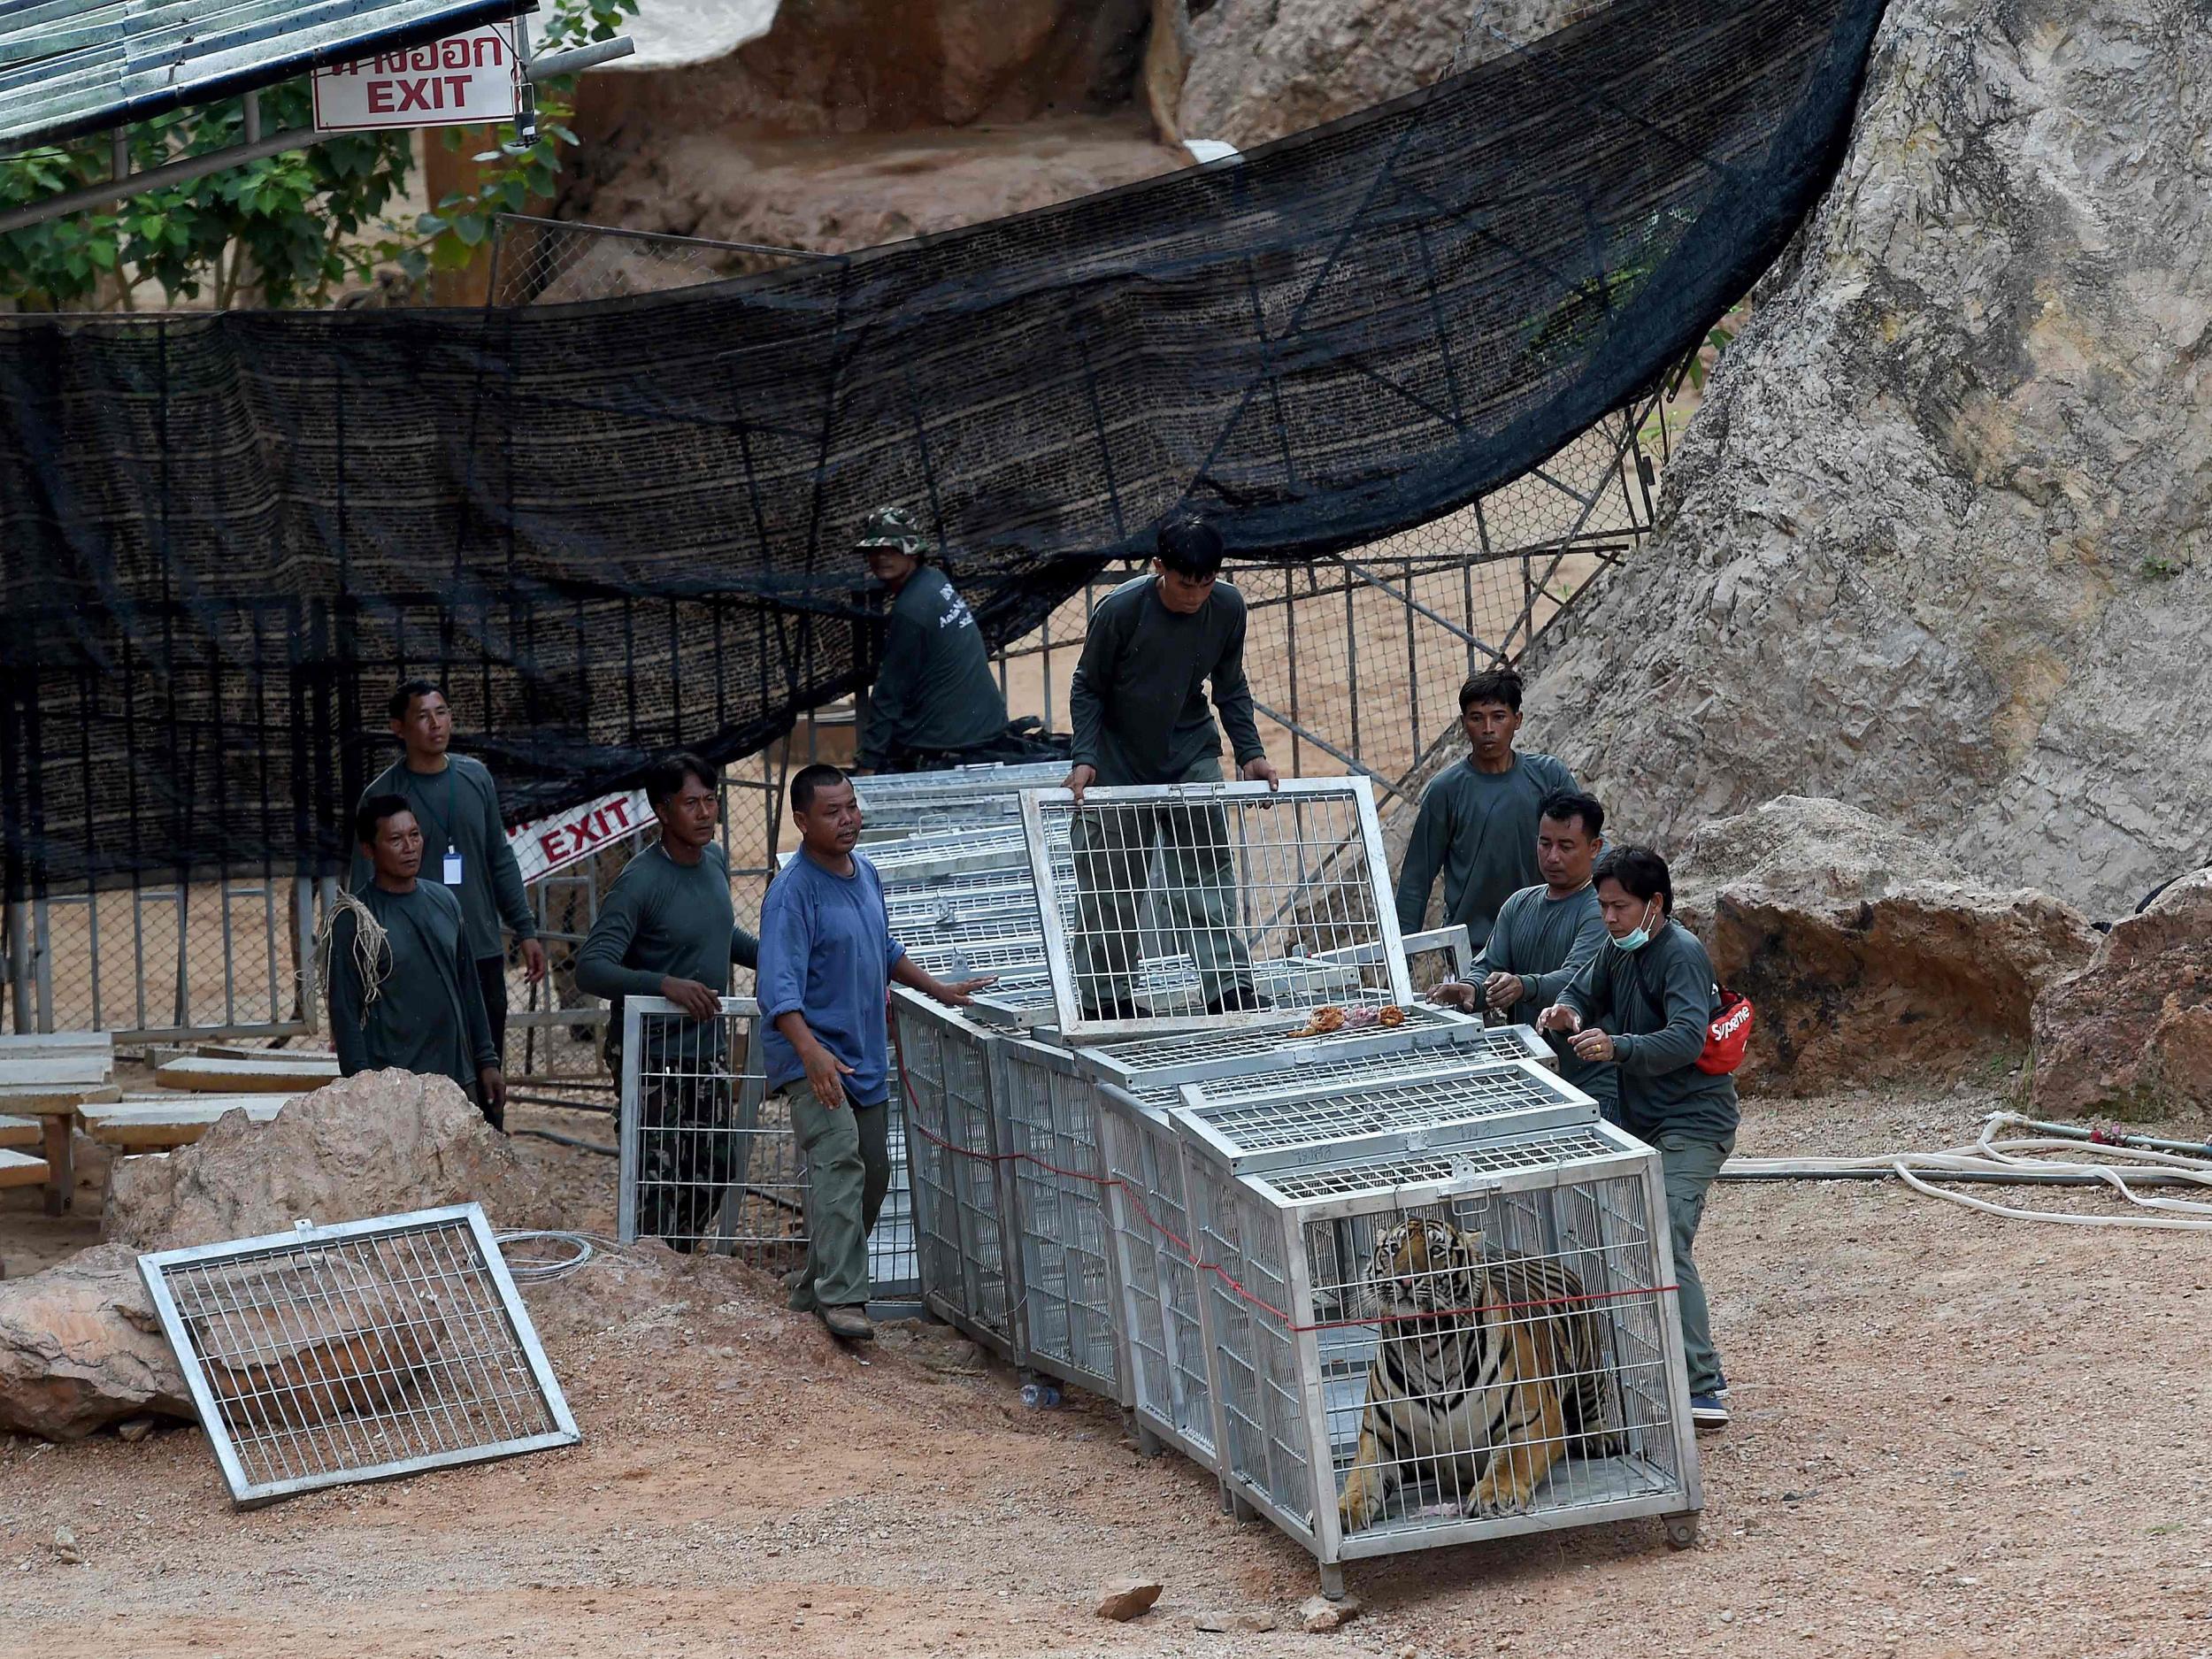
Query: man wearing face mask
point(1644, 1004)
point(1138, 701)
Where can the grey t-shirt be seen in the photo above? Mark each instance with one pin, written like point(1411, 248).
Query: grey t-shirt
point(429, 1015)
point(935, 690)
point(1658, 1002)
point(1138, 696)
point(458, 808)
point(1479, 829)
point(1546, 942)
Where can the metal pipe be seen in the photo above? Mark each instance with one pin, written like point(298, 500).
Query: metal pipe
point(564, 1105)
point(583, 57)
point(2089, 1136)
point(19, 963)
point(156, 178)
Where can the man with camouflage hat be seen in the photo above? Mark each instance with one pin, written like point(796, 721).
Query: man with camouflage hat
point(935, 701)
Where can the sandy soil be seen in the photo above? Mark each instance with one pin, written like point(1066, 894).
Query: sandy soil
point(1955, 1435)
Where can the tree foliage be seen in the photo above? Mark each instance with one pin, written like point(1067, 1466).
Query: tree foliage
point(289, 230)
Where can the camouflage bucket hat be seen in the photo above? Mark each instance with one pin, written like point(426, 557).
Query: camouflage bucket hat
point(892, 527)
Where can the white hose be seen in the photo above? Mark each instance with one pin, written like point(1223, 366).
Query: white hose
point(1989, 1156)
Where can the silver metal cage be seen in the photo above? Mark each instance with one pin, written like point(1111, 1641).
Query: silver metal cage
point(708, 1158)
point(957, 798)
point(360, 1351)
point(1569, 1224)
point(1187, 906)
point(968, 1276)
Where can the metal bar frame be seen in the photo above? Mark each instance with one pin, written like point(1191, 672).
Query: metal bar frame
point(153, 1270)
point(1059, 946)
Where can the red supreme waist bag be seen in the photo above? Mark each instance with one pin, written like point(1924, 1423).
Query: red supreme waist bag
point(1728, 1035)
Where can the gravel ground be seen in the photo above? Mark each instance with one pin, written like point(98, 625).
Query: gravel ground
point(1955, 1435)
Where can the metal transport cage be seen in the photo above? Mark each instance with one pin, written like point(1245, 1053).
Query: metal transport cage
point(709, 1159)
point(359, 1351)
point(1245, 882)
point(1452, 1070)
point(899, 803)
point(1047, 1103)
point(1482, 1250)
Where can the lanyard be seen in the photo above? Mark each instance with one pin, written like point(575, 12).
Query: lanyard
point(446, 820)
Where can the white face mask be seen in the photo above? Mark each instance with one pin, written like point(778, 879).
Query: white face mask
point(1641, 937)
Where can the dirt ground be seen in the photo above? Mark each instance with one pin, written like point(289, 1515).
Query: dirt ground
point(1955, 1435)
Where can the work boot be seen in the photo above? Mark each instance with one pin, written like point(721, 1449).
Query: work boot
point(848, 1324)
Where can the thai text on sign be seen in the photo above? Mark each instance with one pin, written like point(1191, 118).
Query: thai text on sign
point(550, 843)
point(461, 80)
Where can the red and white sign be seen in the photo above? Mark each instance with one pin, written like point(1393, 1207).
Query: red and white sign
point(461, 80)
point(550, 843)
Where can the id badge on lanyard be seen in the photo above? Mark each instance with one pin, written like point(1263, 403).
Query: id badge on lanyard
point(452, 878)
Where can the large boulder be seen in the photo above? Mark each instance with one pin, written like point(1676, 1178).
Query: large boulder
point(372, 1145)
point(1936, 544)
point(80, 1348)
point(1261, 69)
point(1869, 956)
point(2130, 1035)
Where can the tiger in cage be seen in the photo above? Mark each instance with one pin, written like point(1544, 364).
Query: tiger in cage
point(1491, 1371)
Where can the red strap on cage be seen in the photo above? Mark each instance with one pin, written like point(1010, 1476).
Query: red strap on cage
point(1190, 1254)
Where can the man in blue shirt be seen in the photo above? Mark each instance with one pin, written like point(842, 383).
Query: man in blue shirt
point(827, 962)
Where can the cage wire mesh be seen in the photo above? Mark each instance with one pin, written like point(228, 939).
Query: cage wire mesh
point(1246, 1119)
point(1055, 1211)
point(709, 1160)
point(1469, 1340)
point(1193, 904)
point(357, 1352)
point(967, 1273)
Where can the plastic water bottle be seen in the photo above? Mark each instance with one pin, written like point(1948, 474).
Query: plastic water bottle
point(1040, 1396)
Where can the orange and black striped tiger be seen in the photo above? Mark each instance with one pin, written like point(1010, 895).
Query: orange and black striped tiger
point(1493, 1396)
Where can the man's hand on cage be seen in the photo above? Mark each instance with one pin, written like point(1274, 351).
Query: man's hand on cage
point(961, 993)
point(1262, 771)
point(1079, 779)
point(695, 999)
point(1454, 993)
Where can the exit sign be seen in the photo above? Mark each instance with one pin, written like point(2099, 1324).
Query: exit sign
point(463, 80)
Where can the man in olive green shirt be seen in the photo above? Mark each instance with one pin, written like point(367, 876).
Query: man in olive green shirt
point(401, 983)
point(934, 703)
point(667, 928)
point(1476, 822)
point(464, 842)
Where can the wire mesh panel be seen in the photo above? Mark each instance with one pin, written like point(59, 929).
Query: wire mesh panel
point(1155, 1067)
point(1049, 1131)
point(1248, 883)
point(1485, 1336)
point(1162, 1333)
point(709, 1160)
point(357, 1352)
point(955, 797)
point(1251, 1129)
point(953, 1157)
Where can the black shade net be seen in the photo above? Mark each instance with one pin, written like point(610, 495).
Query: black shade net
point(616, 526)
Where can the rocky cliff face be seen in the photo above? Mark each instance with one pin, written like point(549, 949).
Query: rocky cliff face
point(1936, 544)
point(1261, 69)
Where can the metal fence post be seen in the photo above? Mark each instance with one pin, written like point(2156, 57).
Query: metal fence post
point(42, 964)
point(19, 963)
point(303, 910)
